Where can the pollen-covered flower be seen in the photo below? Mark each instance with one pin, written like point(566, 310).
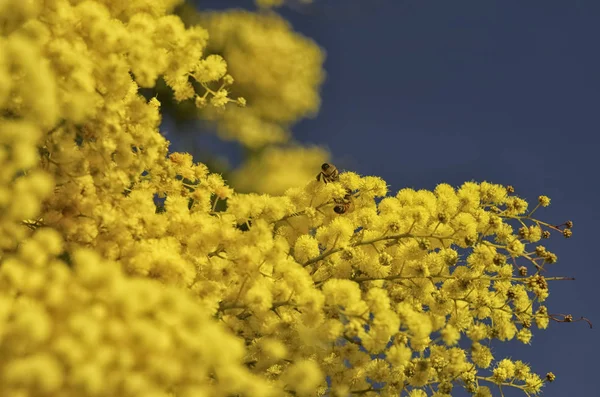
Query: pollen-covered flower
point(212, 68)
point(524, 335)
point(303, 377)
point(544, 201)
point(481, 355)
point(305, 248)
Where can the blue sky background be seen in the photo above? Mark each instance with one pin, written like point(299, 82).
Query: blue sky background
point(423, 92)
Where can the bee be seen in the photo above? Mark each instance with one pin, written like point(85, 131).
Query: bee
point(329, 173)
point(344, 205)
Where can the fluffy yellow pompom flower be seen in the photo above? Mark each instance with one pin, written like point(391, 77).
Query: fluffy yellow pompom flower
point(450, 335)
point(417, 393)
point(544, 201)
point(304, 377)
point(399, 355)
point(481, 355)
point(305, 248)
point(336, 234)
point(483, 391)
point(212, 68)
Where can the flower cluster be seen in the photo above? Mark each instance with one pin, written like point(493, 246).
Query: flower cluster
point(96, 332)
point(262, 52)
point(126, 270)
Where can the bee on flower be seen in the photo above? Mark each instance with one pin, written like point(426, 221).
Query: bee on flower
point(329, 173)
point(345, 204)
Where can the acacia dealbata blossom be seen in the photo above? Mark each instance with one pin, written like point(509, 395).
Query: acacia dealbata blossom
point(129, 270)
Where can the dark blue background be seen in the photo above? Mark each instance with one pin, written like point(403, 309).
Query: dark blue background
point(422, 92)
